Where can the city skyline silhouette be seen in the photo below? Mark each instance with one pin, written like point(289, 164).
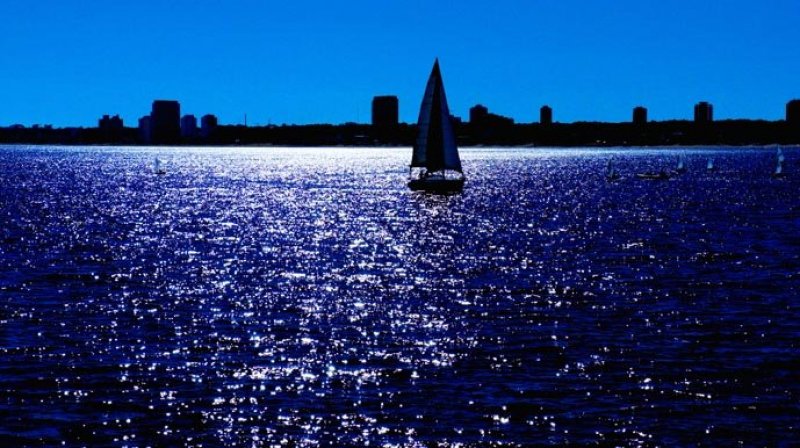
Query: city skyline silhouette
point(316, 63)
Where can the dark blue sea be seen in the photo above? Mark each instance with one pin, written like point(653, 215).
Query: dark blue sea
point(305, 297)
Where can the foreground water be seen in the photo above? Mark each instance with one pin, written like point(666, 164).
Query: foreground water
point(304, 297)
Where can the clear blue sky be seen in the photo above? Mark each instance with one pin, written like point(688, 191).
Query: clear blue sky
point(67, 62)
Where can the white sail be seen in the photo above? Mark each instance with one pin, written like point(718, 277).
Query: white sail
point(435, 148)
point(779, 169)
point(680, 164)
point(710, 165)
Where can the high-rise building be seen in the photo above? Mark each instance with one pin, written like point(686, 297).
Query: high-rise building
point(793, 112)
point(145, 129)
point(703, 112)
point(188, 126)
point(385, 111)
point(165, 121)
point(639, 115)
point(546, 115)
point(208, 124)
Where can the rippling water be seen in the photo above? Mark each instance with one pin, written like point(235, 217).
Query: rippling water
point(305, 297)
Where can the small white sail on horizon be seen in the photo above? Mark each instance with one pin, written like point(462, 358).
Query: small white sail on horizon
point(681, 167)
point(710, 165)
point(611, 174)
point(157, 167)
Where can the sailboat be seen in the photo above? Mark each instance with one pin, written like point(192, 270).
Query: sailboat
point(681, 168)
point(435, 151)
point(710, 165)
point(611, 175)
point(779, 168)
point(779, 171)
point(157, 167)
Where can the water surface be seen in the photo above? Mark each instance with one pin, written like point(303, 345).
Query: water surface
point(305, 297)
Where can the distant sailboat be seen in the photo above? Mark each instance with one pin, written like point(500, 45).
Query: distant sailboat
point(611, 174)
point(779, 167)
point(710, 165)
point(157, 167)
point(435, 151)
point(681, 168)
point(778, 171)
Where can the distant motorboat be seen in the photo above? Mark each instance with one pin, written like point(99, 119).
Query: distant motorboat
point(435, 151)
point(661, 175)
point(611, 174)
point(710, 165)
point(157, 169)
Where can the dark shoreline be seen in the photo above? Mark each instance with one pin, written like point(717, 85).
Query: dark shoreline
point(580, 134)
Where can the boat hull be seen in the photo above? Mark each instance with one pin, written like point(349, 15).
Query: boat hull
point(652, 176)
point(437, 185)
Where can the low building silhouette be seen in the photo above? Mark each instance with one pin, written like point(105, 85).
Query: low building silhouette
point(793, 113)
point(546, 115)
point(109, 123)
point(385, 111)
point(188, 126)
point(165, 122)
point(703, 112)
point(639, 115)
point(480, 116)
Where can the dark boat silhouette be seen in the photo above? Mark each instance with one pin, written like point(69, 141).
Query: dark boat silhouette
point(650, 175)
point(611, 173)
point(435, 151)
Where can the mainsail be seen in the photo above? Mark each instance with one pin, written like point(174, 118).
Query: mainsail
point(435, 148)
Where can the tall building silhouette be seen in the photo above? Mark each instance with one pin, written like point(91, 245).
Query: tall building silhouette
point(385, 111)
point(110, 128)
point(145, 129)
point(793, 112)
point(703, 112)
point(639, 115)
point(546, 115)
point(188, 126)
point(165, 122)
point(208, 125)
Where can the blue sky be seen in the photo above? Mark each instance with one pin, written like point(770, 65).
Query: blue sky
point(67, 62)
